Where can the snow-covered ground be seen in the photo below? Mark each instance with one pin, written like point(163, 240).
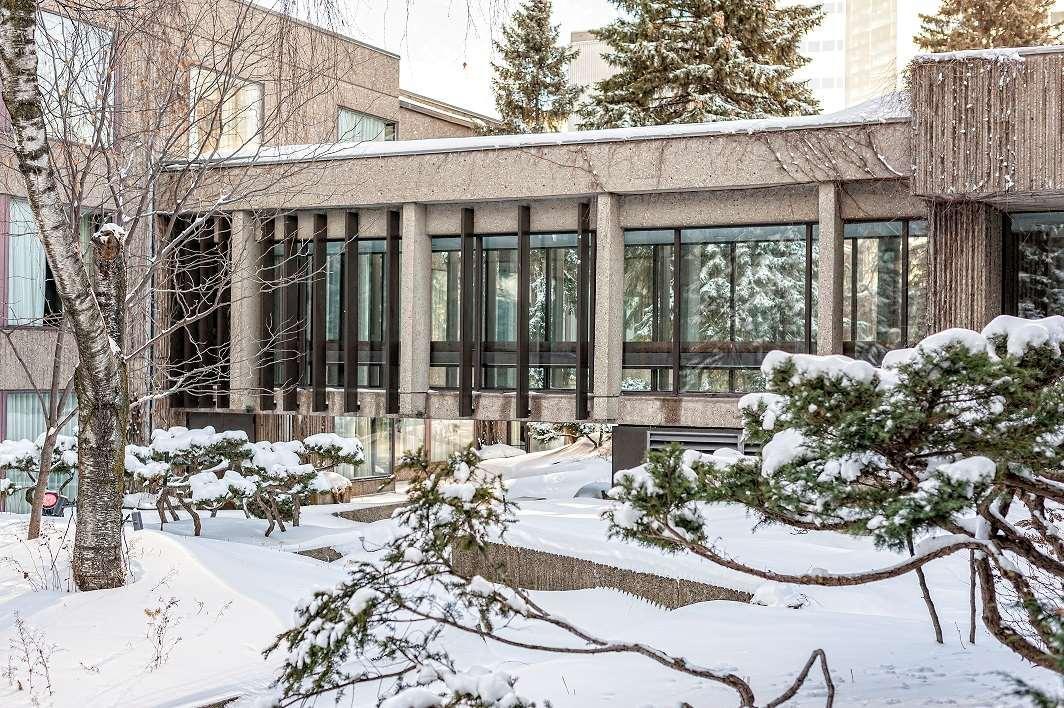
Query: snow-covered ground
point(234, 591)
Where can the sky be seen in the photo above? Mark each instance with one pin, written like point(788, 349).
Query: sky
point(445, 45)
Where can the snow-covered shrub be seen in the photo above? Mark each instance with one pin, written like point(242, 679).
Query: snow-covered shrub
point(958, 440)
point(383, 624)
point(203, 469)
point(24, 456)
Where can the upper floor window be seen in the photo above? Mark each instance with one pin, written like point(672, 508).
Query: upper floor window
point(76, 81)
point(32, 298)
point(226, 114)
point(356, 127)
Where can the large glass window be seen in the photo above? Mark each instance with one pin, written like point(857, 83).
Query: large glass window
point(499, 312)
point(370, 302)
point(25, 419)
point(386, 440)
point(32, 298)
point(553, 267)
point(553, 271)
point(1037, 263)
point(649, 290)
point(76, 81)
point(226, 114)
point(884, 286)
point(741, 292)
point(357, 127)
point(446, 311)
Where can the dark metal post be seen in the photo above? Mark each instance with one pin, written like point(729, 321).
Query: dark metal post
point(222, 327)
point(583, 298)
point(267, 372)
point(468, 316)
point(290, 325)
point(809, 288)
point(350, 309)
point(391, 324)
point(677, 309)
point(178, 337)
point(521, 407)
point(317, 315)
point(904, 281)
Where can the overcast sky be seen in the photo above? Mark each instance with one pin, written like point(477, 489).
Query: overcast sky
point(445, 45)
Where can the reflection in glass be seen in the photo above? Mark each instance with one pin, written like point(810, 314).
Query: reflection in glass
point(648, 307)
point(742, 293)
point(499, 312)
point(446, 311)
point(1039, 242)
point(875, 286)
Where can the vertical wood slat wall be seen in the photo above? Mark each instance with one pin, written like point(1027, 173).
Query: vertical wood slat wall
point(987, 126)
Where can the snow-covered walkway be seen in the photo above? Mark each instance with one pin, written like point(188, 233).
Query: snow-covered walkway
point(231, 592)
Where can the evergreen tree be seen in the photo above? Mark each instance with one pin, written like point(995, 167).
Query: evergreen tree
point(984, 24)
point(690, 61)
point(532, 89)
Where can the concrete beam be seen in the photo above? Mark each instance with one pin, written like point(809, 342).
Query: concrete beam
point(245, 312)
point(415, 330)
point(830, 271)
point(608, 324)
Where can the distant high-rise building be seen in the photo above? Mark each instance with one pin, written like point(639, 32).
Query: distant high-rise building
point(826, 48)
point(589, 67)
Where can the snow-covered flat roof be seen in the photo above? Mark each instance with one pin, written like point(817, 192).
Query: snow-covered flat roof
point(891, 108)
point(1000, 53)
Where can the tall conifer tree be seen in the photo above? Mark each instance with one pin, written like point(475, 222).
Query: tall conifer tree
point(691, 61)
point(985, 24)
point(532, 89)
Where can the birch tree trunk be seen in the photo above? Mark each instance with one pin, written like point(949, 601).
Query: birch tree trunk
point(96, 320)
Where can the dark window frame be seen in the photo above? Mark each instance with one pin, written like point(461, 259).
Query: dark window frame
point(676, 352)
point(545, 355)
point(850, 307)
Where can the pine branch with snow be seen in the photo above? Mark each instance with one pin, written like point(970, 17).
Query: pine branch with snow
point(958, 440)
point(392, 618)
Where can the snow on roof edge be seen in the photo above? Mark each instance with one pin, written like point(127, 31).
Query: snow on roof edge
point(999, 53)
point(891, 108)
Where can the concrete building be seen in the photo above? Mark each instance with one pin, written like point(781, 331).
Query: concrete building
point(826, 48)
point(637, 277)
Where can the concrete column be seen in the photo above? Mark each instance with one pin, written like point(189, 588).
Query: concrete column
point(415, 320)
point(830, 271)
point(245, 313)
point(609, 308)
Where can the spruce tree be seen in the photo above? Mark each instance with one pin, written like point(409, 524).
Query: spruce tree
point(690, 61)
point(984, 24)
point(532, 89)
